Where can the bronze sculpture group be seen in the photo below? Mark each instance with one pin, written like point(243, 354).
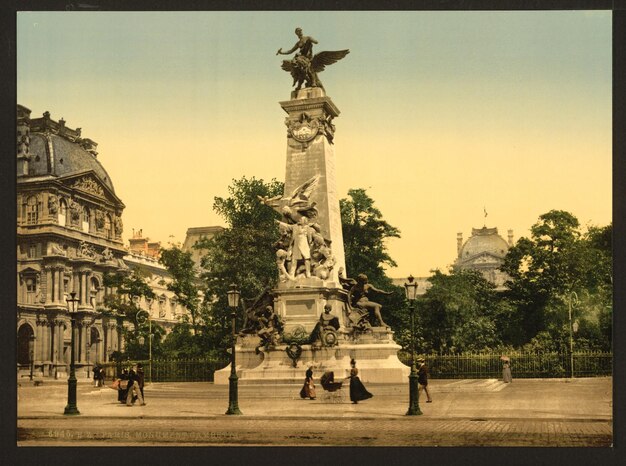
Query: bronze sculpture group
point(304, 66)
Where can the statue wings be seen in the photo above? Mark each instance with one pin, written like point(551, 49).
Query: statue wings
point(302, 193)
point(320, 60)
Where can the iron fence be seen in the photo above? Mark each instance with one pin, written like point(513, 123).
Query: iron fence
point(172, 370)
point(441, 366)
point(523, 365)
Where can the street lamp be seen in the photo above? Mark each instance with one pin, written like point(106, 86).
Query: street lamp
point(31, 354)
point(141, 318)
point(572, 302)
point(233, 403)
point(71, 408)
point(410, 289)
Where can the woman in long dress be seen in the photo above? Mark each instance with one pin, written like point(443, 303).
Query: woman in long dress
point(308, 390)
point(357, 389)
point(506, 372)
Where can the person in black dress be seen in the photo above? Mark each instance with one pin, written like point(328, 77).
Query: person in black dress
point(308, 390)
point(357, 389)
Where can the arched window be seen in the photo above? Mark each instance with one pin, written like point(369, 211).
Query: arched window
point(62, 212)
point(32, 210)
point(86, 219)
point(107, 227)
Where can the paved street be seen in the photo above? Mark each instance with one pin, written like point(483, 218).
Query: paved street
point(536, 412)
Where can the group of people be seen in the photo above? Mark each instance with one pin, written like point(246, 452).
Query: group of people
point(358, 392)
point(130, 386)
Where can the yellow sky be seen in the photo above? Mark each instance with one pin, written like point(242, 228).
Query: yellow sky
point(442, 114)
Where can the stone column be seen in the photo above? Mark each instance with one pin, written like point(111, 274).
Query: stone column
point(49, 297)
point(61, 358)
point(38, 350)
point(310, 152)
point(61, 282)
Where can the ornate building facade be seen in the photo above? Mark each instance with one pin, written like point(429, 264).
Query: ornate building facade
point(484, 251)
point(69, 235)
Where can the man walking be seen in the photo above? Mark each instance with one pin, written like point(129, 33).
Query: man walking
point(133, 388)
point(422, 378)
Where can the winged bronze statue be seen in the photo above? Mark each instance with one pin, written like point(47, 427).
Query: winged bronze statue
point(296, 205)
point(304, 66)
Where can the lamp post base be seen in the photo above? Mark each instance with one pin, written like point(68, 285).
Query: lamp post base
point(71, 411)
point(233, 402)
point(414, 407)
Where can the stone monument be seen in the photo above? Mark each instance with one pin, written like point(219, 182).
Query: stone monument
point(315, 316)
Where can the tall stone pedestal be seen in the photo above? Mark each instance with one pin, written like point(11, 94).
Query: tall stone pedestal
point(300, 302)
point(376, 355)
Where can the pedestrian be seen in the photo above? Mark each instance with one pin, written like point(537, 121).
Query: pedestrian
point(141, 379)
point(357, 389)
point(133, 388)
point(96, 375)
point(422, 379)
point(308, 389)
point(506, 370)
point(122, 386)
point(102, 375)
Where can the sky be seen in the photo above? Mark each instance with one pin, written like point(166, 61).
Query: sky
point(444, 115)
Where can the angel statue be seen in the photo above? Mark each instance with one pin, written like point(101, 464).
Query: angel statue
point(304, 66)
point(297, 205)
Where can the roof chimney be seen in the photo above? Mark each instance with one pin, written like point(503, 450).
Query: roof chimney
point(459, 243)
point(510, 238)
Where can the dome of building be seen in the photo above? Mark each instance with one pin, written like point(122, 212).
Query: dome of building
point(484, 240)
point(52, 154)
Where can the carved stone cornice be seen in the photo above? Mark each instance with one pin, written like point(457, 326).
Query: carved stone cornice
point(89, 185)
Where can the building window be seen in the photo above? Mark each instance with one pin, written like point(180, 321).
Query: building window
point(32, 251)
point(62, 212)
point(86, 219)
point(31, 290)
point(107, 226)
point(32, 210)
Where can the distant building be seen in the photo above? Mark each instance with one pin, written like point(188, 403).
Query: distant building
point(140, 246)
point(196, 234)
point(484, 251)
point(164, 309)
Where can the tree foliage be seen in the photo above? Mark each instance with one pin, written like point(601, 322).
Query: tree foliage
point(364, 235)
point(556, 263)
point(123, 304)
point(241, 254)
point(185, 284)
point(459, 312)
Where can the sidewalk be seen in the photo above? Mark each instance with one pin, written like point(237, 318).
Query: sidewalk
point(589, 398)
point(536, 412)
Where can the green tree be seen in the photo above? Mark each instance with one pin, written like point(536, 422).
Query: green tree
point(364, 235)
point(545, 269)
point(185, 283)
point(242, 253)
point(460, 312)
point(123, 305)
